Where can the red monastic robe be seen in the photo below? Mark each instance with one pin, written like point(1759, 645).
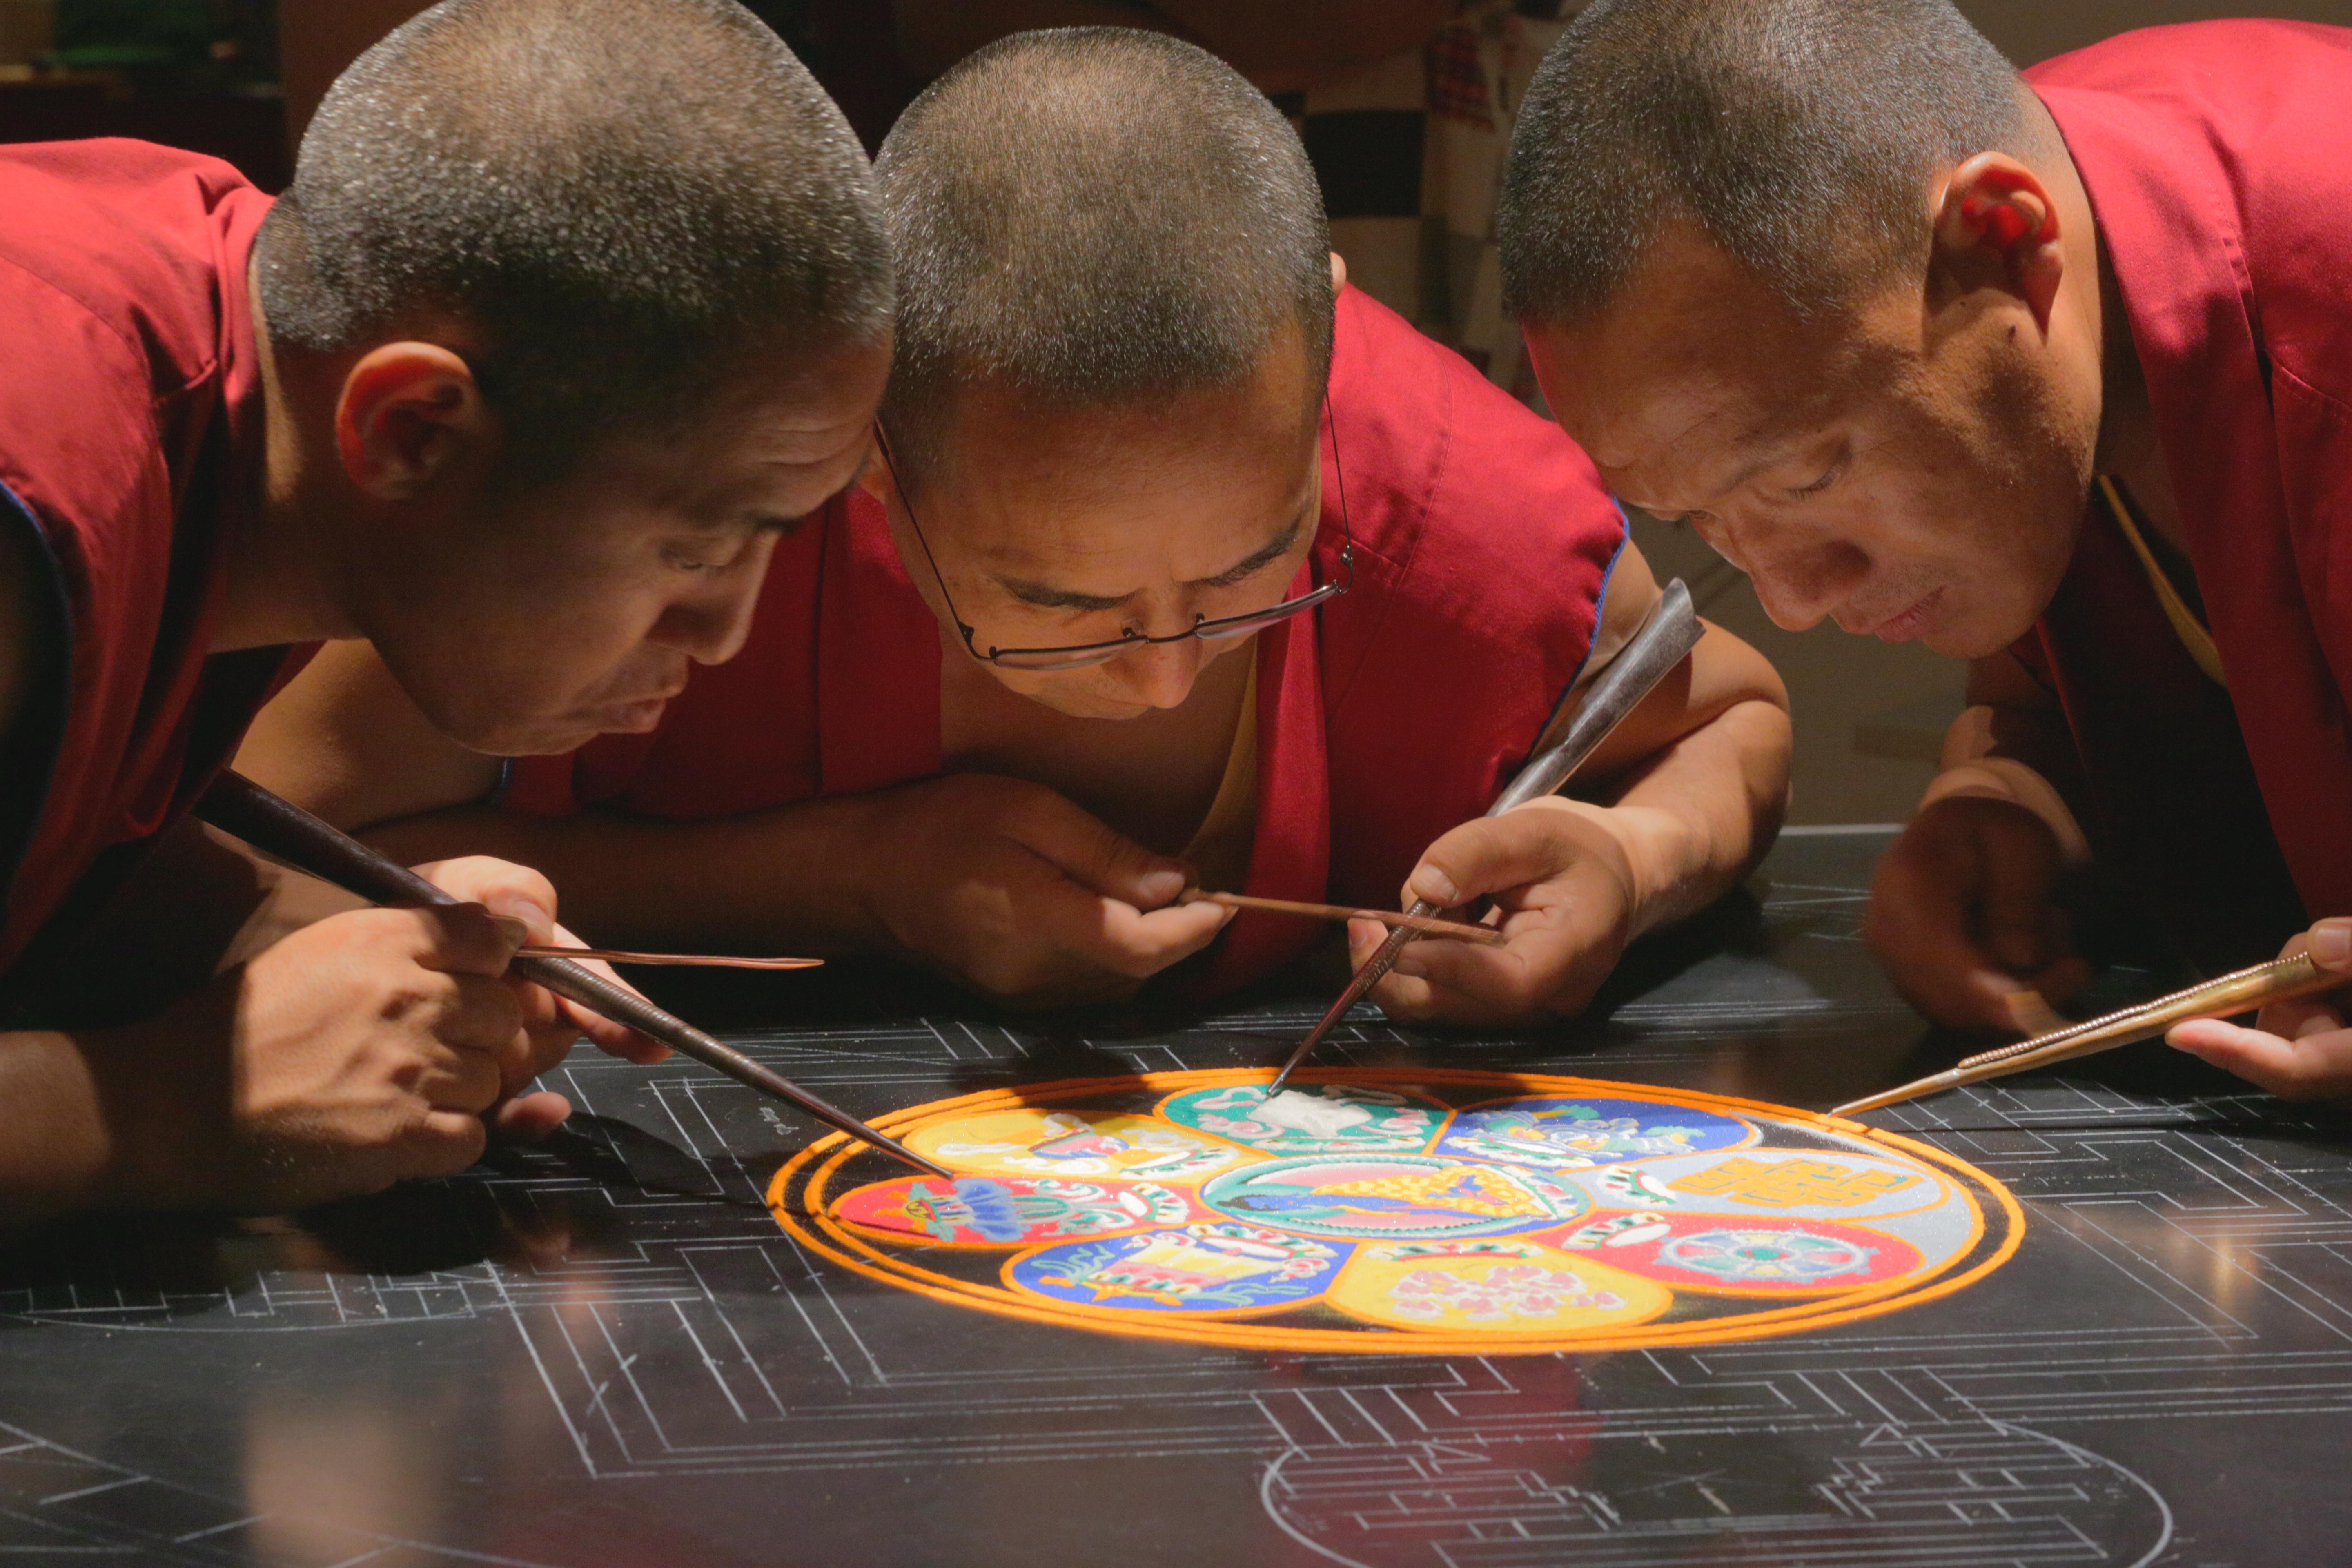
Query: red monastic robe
point(1483, 545)
point(131, 434)
point(2218, 157)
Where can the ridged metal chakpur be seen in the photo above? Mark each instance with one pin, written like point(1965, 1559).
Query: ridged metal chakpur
point(2242, 991)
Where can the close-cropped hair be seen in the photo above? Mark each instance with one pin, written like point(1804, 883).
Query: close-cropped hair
point(1094, 216)
point(627, 205)
point(1800, 136)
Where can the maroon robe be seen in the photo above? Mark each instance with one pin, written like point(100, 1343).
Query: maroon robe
point(130, 438)
point(2218, 157)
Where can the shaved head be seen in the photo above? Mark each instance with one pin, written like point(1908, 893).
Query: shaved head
point(1800, 136)
point(1094, 217)
point(622, 205)
point(1818, 278)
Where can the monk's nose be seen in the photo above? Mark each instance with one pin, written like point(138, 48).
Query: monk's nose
point(711, 624)
point(1162, 674)
point(1797, 588)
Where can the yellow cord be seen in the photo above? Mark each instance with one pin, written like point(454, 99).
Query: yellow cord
point(2192, 633)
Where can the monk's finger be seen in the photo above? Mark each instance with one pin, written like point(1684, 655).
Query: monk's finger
point(529, 1117)
point(1551, 963)
point(1138, 944)
point(2305, 1015)
point(610, 1036)
point(1090, 852)
point(1496, 987)
point(1402, 994)
point(1406, 998)
point(2317, 1066)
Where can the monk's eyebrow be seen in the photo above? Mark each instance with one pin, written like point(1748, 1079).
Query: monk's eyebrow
point(735, 524)
point(1046, 596)
point(1258, 560)
point(1763, 454)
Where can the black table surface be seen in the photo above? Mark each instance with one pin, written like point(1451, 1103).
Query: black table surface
point(605, 1353)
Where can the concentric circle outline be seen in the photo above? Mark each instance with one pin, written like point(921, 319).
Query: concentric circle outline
point(817, 1164)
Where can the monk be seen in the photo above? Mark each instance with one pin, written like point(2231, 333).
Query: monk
point(1178, 561)
point(569, 313)
point(2050, 374)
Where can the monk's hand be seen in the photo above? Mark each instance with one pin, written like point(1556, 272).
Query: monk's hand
point(1964, 912)
point(2300, 1049)
point(1010, 889)
point(1564, 896)
point(354, 1052)
point(549, 1023)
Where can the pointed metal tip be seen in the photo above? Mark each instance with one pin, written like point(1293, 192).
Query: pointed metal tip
point(1297, 1056)
point(881, 1144)
point(1359, 987)
point(1306, 1047)
point(1915, 1089)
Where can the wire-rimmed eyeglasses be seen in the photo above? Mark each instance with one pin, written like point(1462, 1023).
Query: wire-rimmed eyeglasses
point(1082, 656)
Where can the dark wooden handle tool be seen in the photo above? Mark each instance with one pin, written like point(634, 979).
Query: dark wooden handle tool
point(234, 804)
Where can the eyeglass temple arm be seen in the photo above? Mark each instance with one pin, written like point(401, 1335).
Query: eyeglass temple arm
point(882, 440)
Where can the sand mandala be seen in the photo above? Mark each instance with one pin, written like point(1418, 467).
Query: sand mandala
point(1404, 1212)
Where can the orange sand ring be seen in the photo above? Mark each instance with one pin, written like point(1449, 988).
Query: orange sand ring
point(1407, 1211)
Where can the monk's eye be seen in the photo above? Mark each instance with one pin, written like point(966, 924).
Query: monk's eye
point(678, 560)
point(1829, 477)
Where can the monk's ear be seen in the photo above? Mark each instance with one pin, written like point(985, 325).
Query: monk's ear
point(407, 414)
point(1997, 228)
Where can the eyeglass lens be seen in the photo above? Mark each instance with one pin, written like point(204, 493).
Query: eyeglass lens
point(1088, 655)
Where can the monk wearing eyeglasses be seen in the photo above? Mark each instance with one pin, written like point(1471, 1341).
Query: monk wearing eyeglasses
point(1177, 560)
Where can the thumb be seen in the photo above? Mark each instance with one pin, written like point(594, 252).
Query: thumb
point(506, 889)
point(462, 938)
point(535, 920)
point(2330, 944)
point(1096, 856)
point(1477, 859)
